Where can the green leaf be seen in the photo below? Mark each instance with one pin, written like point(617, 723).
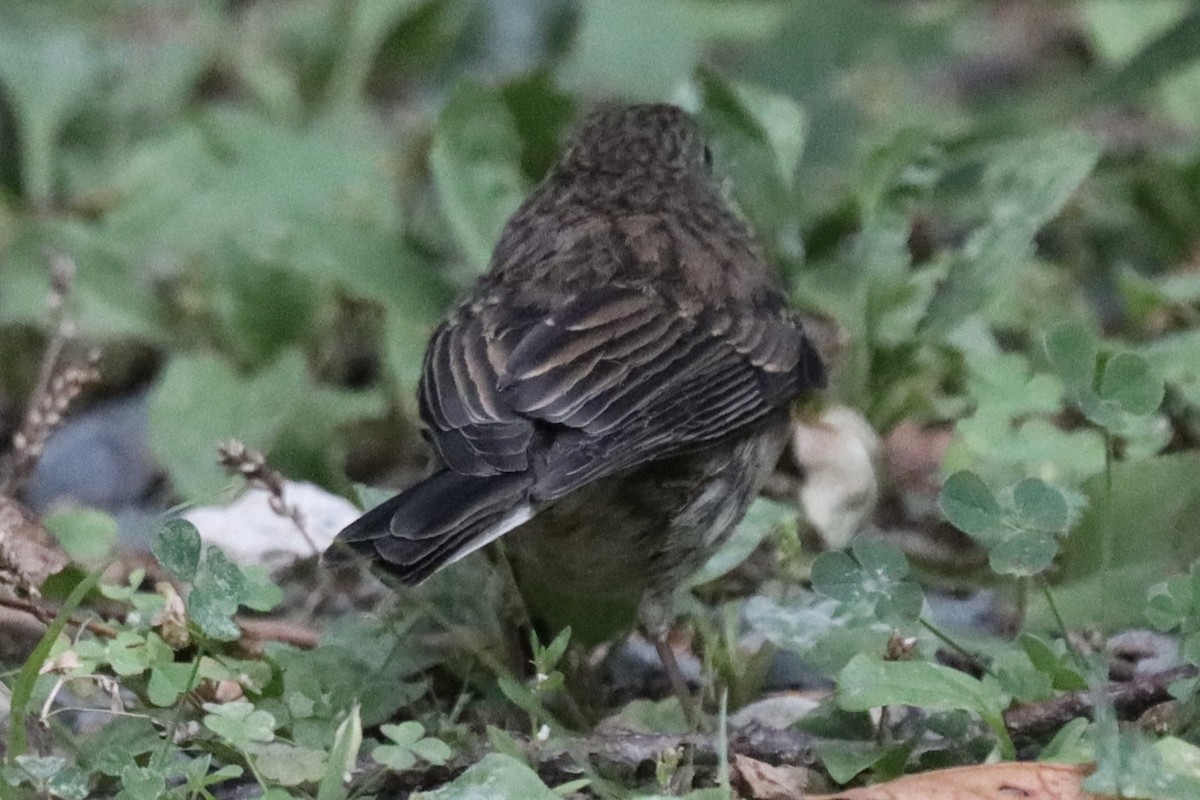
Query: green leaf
point(1177, 359)
point(476, 164)
point(1128, 765)
point(141, 783)
point(87, 534)
point(218, 588)
point(1019, 541)
point(177, 548)
point(503, 742)
point(1173, 50)
point(771, 119)
point(343, 757)
point(239, 722)
point(364, 26)
point(1069, 745)
point(167, 682)
point(1102, 566)
point(1175, 603)
point(969, 505)
point(22, 687)
point(1054, 660)
point(1022, 555)
point(1019, 677)
point(405, 733)
point(41, 768)
point(553, 652)
point(633, 49)
point(131, 653)
point(433, 751)
point(1072, 350)
point(1040, 506)
point(279, 407)
point(71, 783)
point(843, 759)
point(783, 124)
point(757, 138)
point(871, 584)
point(1026, 182)
point(495, 775)
point(653, 716)
point(825, 632)
point(866, 683)
point(1129, 382)
point(49, 63)
point(522, 697)
point(258, 591)
point(881, 562)
point(837, 575)
point(287, 764)
point(394, 757)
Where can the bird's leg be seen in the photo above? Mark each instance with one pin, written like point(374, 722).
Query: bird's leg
point(656, 626)
point(678, 683)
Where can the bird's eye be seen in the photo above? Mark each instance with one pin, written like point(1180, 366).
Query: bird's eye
point(708, 157)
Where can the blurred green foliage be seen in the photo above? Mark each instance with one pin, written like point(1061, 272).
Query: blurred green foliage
point(996, 205)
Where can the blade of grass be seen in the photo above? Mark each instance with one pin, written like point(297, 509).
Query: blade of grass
point(22, 691)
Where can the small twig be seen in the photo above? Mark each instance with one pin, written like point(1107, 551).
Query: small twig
point(255, 630)
point(633, 756)
point(1130, 699)
point(258, 630)
point(251, 465)
point(46, 616)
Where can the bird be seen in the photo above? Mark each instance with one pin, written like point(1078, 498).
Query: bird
point(611, 393)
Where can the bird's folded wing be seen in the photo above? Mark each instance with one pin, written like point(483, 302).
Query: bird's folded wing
point(620, 377)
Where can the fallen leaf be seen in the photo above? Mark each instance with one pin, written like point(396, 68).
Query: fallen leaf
point(28, 553)
point(759, 780)
point(839, 453)
point(1007, 781)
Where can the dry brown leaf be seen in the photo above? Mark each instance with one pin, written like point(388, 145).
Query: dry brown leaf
point(171, 619)
point(758, 780)
point(1008, 781)
point(838, 452)
point(913, 457)
point(28, 554)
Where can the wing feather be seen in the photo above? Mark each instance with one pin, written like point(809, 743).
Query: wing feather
point(610, 378)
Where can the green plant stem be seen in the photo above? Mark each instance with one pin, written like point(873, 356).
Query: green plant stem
point(1022, 601)
point(723, 744)
point(177, 717)
point(38, 163)
point(348, 69)
point(22, 691)
point(945, 639)
point(1060, 622)
point(1106, 550)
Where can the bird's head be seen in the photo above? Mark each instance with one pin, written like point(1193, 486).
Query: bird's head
point(651, 139)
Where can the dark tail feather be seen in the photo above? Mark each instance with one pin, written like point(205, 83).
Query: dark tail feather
point(434, 522)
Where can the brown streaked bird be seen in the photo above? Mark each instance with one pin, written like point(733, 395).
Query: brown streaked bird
point(612, 392)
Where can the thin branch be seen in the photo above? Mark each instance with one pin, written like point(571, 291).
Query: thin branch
point(626, 755)
point(1129, 698)
point(251, 465)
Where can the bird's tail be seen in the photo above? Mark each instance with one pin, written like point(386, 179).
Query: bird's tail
point(435, 522)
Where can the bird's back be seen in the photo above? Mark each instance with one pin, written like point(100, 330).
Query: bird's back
point(626, 329)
